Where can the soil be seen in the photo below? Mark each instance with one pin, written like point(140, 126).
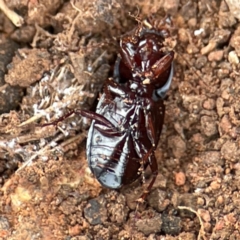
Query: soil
point(58, 59)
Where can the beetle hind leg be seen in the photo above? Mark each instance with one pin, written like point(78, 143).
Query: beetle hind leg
point(154, 168)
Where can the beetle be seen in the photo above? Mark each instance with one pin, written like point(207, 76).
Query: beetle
point(127, 124)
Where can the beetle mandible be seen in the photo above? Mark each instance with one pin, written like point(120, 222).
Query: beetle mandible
point(127, 124)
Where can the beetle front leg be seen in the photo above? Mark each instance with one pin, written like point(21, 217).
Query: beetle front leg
point(160, 67)
point(115, 88)
point(112, 88)
point(163, 64)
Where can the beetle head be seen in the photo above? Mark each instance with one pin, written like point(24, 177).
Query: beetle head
point(144, 57)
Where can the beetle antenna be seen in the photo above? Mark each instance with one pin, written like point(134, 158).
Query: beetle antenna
point(136, 17)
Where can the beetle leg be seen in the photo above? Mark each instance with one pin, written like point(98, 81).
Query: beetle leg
point(154, 167)
point(126, 52)
point(94, 116)
point(108, 98)
point(150, 130)
point(154, 118)
point(162, 64)
point(84, 113)
point(107, 91)
point(116, 88)
point(160, 67)
point(107, 131)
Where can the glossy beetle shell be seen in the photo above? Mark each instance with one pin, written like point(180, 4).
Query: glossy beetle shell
point(132, 103)
point(127, 124)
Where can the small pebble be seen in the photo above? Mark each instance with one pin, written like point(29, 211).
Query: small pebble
point(171, 6)
point(208, 126)
point(4, 223)
point(233, 58)
point(234, 8)
point(180, 178)
point(148, 226)
point(235, 41)
point(95, 211)
point(157, 199)
point(215, 55)
point(200, 201)
point(229, 151)
point(204, 214)
point(225, 125)
point(220, 200)
point(75, 230)
point(209, 104)
point(182, 35)
point(215, 185)
point(171, 225)
point(192, 22)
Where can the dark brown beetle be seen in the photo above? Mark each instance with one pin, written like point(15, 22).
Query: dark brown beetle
point(128, 120)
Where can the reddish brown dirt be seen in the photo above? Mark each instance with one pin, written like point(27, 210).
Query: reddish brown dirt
point(58, 60)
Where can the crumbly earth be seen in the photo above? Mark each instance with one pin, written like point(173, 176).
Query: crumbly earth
point(58, 60)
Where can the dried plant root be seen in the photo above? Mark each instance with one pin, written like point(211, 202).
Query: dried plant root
point(14, 17)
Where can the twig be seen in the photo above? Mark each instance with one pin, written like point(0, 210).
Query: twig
point(201, 231)
point(14, 17)
point(78, 138)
